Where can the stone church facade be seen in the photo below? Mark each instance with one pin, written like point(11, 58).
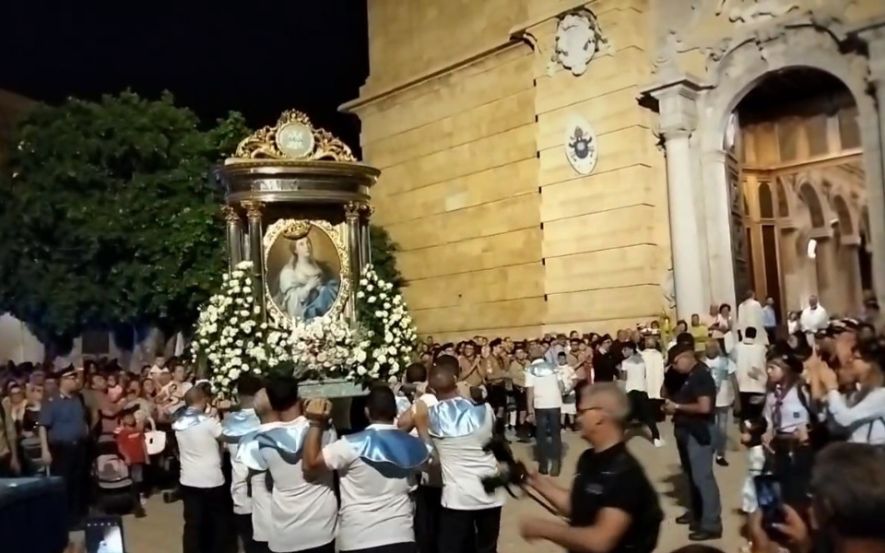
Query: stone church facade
point(550, 165)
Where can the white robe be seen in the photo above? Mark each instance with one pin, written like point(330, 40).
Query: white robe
point(813, 320)
point(750, 314)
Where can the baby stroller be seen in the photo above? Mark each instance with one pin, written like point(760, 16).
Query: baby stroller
point(114, 489)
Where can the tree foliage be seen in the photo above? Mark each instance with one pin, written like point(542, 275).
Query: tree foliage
point(384, 257)
point(108, 215)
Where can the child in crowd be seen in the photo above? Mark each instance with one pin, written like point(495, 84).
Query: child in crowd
point(131, 445)
point(752, 431)
point(568, 378)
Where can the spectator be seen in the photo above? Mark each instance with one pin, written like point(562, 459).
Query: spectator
point(749, 357)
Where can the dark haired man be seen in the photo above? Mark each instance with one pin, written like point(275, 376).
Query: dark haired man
point(202, 483)
point(374, 466)
point(304, 511)
point(750, 364)
point(458, 429)
point(236, 425)
point(693, 410)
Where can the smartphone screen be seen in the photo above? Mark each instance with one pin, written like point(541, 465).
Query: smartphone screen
point(104, 535)
point(771, 504)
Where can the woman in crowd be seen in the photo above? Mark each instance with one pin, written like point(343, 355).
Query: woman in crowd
point(722, 329)
point(861, 413)
point(788, 421)
point(654, 374)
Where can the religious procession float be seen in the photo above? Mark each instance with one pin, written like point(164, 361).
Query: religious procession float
point(300, 295)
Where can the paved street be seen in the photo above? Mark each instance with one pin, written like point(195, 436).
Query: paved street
point(161, 530)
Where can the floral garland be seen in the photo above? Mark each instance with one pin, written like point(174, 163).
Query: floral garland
point(232, 339)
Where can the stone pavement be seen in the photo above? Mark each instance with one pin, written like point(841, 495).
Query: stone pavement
point(161, 530)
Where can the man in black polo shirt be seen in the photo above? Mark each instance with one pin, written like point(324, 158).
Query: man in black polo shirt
point(611, 506)
point(693, 410)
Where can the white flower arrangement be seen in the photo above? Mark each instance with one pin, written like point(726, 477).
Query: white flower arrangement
point(233, 339)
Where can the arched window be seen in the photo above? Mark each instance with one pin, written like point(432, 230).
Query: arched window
point(846, 228)
point(766, 206)
point(809, 197)
point(783, 207)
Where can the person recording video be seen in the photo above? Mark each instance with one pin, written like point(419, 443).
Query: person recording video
point(612, 506)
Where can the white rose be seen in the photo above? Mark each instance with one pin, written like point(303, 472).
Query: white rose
point(234, 374)
point(361, 370)
point(371, 299)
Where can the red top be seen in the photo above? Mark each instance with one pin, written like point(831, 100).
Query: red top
point(130, 442)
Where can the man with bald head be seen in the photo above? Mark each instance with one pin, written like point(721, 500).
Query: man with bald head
point(612, 506)
point(458, 429)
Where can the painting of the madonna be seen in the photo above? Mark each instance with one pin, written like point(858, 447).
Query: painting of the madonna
point(303, 267)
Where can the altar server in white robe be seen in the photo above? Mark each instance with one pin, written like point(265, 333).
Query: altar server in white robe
point(813, 318)
point(374, 467)
point(304, 512)
point(749, 314)
point(654, 374)
point(235, 426)
point(470, 519)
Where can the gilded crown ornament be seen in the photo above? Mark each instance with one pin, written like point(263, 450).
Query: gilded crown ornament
point(292, 138)
point(296, 230)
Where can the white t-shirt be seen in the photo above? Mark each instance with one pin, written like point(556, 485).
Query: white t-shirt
point(303, 513)
point(722, 368)
point(634, 368)
point(751, 365)
point(200, 454)
point(464, 463)
point(262, 523)
point(375, 510)
point(239, 490)
point(547, 393)
point(430, 474)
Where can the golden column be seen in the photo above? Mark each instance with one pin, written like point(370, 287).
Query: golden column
point(253, 216)
point(234, 235)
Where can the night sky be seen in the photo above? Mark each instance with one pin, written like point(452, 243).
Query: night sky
point(256, 57)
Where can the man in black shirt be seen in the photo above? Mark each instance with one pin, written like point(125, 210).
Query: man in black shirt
point(605, 362)
point(612, 507)
point(692, 407)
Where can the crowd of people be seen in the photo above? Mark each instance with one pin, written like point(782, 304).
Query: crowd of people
point(411, 472)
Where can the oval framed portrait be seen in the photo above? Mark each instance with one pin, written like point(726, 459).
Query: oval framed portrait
point(306, 269)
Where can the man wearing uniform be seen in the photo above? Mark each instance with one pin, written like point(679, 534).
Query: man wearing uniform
point(612, 507)
point(63, 434)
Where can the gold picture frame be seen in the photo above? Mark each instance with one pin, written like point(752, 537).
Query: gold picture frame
point(302, 288)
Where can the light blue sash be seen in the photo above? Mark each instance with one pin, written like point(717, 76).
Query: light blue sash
point(190, 418)
point(455, 417)
point(239, 423)
point(392, 452)
point(540, 370)
point(402, 405)
point(286, 440)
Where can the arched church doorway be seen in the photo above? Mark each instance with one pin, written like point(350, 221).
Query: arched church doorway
point(794, 163)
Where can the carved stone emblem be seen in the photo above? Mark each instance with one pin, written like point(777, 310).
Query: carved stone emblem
point(581, 146)
point(577, 37)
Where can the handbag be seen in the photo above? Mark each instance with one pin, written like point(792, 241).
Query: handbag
point(154, 440)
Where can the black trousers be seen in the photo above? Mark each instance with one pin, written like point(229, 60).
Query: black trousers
point(469, 531)
point(205, 517)
point(405, 547)
point(69, 461)
point(641, 410)
point(751, 405)
point(243, 524)
point(427, 509)
point(792, 464)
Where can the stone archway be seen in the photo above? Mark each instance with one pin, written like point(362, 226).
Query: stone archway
point(694, 117)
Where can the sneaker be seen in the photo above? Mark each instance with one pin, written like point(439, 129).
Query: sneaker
point(721, 461)
point(659, 443)
point(705, 535)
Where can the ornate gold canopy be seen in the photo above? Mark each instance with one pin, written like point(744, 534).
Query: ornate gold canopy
point(293, 137)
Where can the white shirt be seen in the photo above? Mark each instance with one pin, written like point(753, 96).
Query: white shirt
point(722, 368)
point(303, 513)
point(813, 320)
point(792, 413)
point(375, 510)
point(750, 314)
point(654, 372)
point(547, 393)
point(464, 463)
point(634, 369)
point(262, 523)
point(751, 364)
point(430, 474)
point(866, 419)
point(239, 490)
point(200, 454)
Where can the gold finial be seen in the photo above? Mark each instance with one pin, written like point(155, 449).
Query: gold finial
point(296, 230)
point(293, 137)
